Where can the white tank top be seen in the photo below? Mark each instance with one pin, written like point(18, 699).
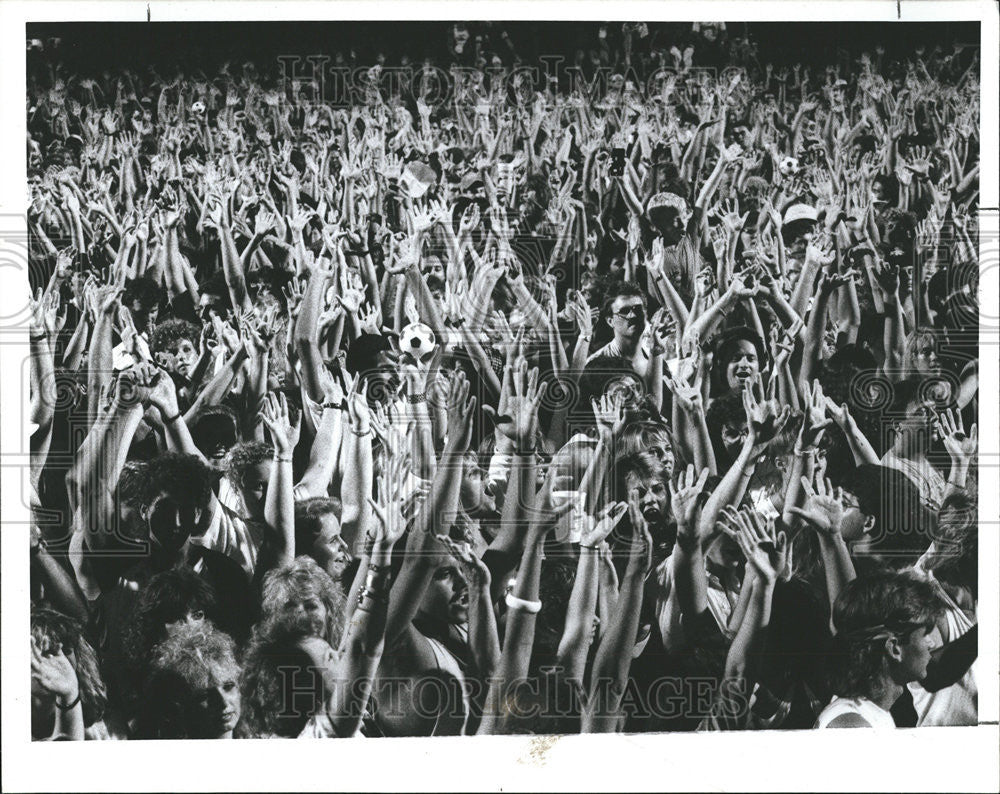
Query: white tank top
point(874, 715)
point(958, 703)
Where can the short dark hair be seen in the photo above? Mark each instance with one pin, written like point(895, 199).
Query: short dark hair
point(144, 290)
point(622, 289)
point(307, 515)
point(904, 527)
point(185, 477)
point(168, 333)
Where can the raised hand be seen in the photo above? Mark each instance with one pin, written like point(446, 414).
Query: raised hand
point(824, 507)
point(887, 277)
point(388, 510)
point(961, 447)
point(473, 569)
point(54, 673)
point(593, 532)
point(814, 417)
point(522, 406)
point(819, 252)
point(765, 418)
point(275, 415)
point(461, 411)
point(656, 335)
point(163, 394)
point(684, 498)
point(610, 414)
point(767, 553)
point(642, 539)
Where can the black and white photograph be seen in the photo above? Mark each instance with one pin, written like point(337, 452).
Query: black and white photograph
point(476, 378)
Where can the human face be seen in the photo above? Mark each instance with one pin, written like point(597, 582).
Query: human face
point(433, 270)
point(195, 617)
point(628, 317)
point(855, 524)
point(733, 437)
point(916, 428)
point(474, 492)
point(330, 550)
point(170, 523)
point(652, 497)
point(218, 703)
point(306, 613)
point(185, 357)
point(253, 487)
point(914, 654)
point(447, 596)
point(743, 365)
point(660, 449)
point(926, 357)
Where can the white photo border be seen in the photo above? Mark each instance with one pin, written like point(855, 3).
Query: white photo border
point(952, 759)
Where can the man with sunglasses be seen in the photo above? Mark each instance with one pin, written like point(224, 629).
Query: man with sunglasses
point(625, 313)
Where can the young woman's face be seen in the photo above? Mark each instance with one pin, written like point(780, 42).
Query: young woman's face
point(916, 428)
point(653, 497)
point(218, 704)
point(659, 448)
point(926, 358)
point(474, 495)
point(330, 550)
point(743, 365)
point(195, 617)
point(306, 613)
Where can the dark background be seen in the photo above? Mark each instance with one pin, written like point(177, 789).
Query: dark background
point(88, 45)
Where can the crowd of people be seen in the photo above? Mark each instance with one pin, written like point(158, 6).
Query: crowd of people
point(642, 402)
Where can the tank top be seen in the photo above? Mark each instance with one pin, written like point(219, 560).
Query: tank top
point(877, 717)
point(958, 703)
point(447, 663)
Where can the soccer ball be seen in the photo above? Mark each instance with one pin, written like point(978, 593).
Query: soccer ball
point(417, 340)
point(788, 166)
point(198, 107)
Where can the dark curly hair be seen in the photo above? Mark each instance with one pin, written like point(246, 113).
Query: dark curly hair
point(168, 598)
point(168, 333)
point(725, 347)
point(185, 477)
point(244, 455)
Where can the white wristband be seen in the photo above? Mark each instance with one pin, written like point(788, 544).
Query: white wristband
point(513, 602)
